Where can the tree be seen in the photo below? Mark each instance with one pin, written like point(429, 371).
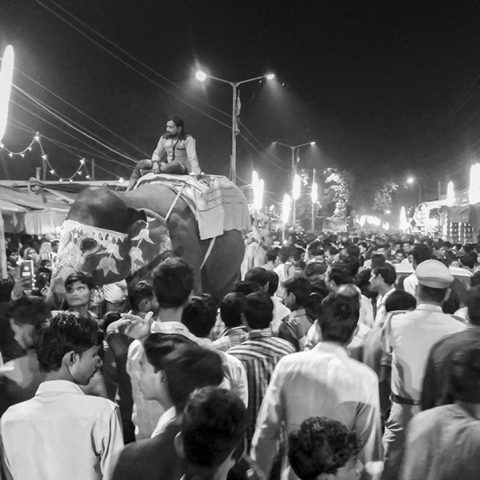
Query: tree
point(382, 200)
point(338, 189)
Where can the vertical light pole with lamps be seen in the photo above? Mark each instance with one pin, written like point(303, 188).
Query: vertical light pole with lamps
point(411, 181)
point(295, 181)
point(314, 199)
point(202, 76)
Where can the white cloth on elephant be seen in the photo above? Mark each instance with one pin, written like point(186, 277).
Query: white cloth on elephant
point(233, 369)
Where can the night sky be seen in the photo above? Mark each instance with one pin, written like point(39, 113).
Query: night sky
point(385, 88)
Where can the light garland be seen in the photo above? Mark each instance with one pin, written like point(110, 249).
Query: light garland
point(82, 169)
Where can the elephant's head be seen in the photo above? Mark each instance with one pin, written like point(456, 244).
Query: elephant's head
point(122, 241)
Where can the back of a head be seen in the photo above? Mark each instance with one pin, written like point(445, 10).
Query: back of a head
point(465, 375)
point(421, 253)
point(353, 250)
point(271, 255)
point(352, 264)
point(258, 275)
point(273, 281)
point(246, 287)
point(231, 308)
point(339, 318)
point(138, 292)
point(472, 302)
point(200, 314)
point(213, 424)
point(258, 310)
point(320, 446)
point(172, 282)
point(63, 333)
point(28, 310)
point(340, 275)
point(387, 272)
point(190, 366)
point(469, 260)
point(475, 279)
point(377, 260)
point(158, 345)
point(400, 300)
point(301, 288)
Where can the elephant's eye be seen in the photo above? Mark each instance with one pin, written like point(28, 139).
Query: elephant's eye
point(87, 244)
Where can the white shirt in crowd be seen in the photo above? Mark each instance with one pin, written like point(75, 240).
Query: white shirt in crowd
point(324, 381)
point(61, 433)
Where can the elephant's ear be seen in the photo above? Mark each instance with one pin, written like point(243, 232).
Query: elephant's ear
point(149, 238)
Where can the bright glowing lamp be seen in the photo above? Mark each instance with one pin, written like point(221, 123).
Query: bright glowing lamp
point(403, 220)
point(286, 206)
point(6, 74)
point(474, 189)
point(313, 143)
point(270, 76)
point(297, 186)
point(450, 194)
point(410, 180)
point(314, 192)
point(258, 186)
point(201, 76)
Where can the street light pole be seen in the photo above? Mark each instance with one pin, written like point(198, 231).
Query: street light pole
point(293, 148)
point(202, 76)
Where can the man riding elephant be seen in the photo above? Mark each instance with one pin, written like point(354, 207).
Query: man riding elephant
point(180, 150)
point(119, 235)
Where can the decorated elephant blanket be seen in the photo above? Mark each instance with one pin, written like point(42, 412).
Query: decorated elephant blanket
point(218, 205)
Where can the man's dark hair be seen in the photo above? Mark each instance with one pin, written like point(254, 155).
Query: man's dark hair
point(472, 302)
point(339, 318)
point(214, 423)
point(172, 282)
point(63, 333)
point(158, 345)
point(258, 275)
point(246, 287)
point(82, 277)
point(436, 295)
point(138, 292)
point(387, 272)
point(421, 253)
point(271, 255)
point(400, 300)
point(258, 310)
point(352, 264)
point(273, 281)
point(301, 288)
point(475, 279)
point(231, 308)
point(315, 269)
point(340, 275)
point(189, 367)
point(178, 121)
point(315, 248)
point(469, 260)
point(353, 250)
point(321, 445)
point(465, 375)
point(200, 314)
point(377, 260)
point(28, 310)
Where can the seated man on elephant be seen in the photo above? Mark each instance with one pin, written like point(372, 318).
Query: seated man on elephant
point(179, 147)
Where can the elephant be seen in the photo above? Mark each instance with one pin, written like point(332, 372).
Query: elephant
point(124, 235)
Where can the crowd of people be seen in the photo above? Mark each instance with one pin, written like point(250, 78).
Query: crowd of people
point(334, 357)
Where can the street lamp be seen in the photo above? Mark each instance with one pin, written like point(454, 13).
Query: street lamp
point(314, 199)
point(292, 149)
point(201, 77)
point(411, 181)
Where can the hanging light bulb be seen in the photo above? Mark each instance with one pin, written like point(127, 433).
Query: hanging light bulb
point(52, 172)
point(87, 177)
point(44, 157)
point(36, 137)
point(10, 155)
point(82, 161)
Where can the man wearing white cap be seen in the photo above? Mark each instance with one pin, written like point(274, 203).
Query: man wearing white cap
point(409, 338)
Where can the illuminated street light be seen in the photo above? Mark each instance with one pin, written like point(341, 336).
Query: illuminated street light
point(313, 143)
point(403, 220)
point(450, 194)
point(474, 188)
point(410, 180)
point(258, 190)
point(6, 74)
point(201, 76)
point(287, 204)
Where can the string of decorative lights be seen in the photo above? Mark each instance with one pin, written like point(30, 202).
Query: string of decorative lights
point(80, 171)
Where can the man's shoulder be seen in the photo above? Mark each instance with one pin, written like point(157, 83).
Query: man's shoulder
point(454, 341)
point(18, 411)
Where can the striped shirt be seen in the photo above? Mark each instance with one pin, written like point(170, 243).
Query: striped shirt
point(231, 337)
point(259, 355)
